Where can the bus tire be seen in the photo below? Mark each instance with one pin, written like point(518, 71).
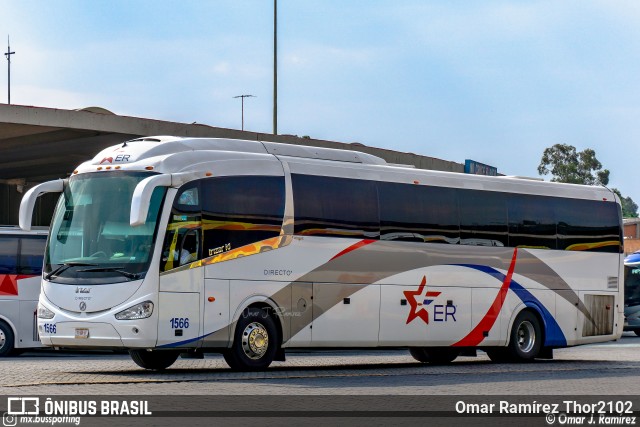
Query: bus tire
point(255, 341)
point(526, 337)
point(434, 356)
point(499, 355)
point(156, 360)
point(7, 340)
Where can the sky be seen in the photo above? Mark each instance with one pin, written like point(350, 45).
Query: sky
point(492, 81)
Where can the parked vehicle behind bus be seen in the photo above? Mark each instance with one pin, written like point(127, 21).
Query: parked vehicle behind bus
point(21, 254)
point(166, 246)
point(632, 293)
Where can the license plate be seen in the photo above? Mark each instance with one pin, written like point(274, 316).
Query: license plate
point(82, 333)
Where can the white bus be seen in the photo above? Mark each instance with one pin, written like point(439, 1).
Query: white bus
point(167, 246)
point(21, 255)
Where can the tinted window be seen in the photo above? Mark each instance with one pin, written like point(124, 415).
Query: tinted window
point(8, 255)
point(632, 285)
point(418, 213)
point(338, 207)
point(31, 254)
point(483, 218)
point(240, 210)
point(21, 254)
point(532, 222)
point(587, 225)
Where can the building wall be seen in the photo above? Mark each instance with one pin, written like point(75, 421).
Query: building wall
point(631, 235)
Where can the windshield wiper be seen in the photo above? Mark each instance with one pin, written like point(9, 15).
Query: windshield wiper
point(62, 267)
point(132, 276)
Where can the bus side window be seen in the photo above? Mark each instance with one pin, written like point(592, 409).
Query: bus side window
point(190, 248)
point(335, 207)
point(8, 255)
point(483, 218)
point(31, 254)
point(240, 210)
point(418, 213)
point(185, 221)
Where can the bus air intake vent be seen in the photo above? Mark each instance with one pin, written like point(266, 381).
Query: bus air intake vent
point(601, 308)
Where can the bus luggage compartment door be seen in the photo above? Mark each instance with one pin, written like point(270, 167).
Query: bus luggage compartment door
point(179, 319)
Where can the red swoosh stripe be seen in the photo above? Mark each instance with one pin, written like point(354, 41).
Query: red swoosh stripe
point(476, 336)
point(353, 248)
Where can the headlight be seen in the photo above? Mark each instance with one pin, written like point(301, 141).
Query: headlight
point(138, 311)
point(44, 312)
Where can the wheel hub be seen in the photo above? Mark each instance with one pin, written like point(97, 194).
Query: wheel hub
point(526, 337)
point(255, 340)
point(3, 338)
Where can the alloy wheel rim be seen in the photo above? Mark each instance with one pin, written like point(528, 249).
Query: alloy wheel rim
point(255, 340)
point(526, 335)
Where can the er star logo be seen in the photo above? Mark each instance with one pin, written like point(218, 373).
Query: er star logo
point(418, 299)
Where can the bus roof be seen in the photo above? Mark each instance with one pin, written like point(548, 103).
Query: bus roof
point(168, 154)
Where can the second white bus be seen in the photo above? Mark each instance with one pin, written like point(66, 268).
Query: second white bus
point(21, 254)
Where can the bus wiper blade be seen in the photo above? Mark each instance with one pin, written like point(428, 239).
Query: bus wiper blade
point(132, 276)
point(64, 266)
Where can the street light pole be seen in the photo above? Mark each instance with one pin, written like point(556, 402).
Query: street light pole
point(242, 97)
point(275, 67)
point(8, 56)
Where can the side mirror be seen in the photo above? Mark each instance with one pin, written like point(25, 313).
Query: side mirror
point(141, 198)
point(29, 200)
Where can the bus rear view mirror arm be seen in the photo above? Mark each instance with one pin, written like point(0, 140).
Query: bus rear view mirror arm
point(29, 200)
point(144, 190)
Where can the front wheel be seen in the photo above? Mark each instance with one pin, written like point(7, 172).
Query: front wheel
point(255, 341)
point(526, 337)
point(156, 360)
point(435, 356)
point(6, 340)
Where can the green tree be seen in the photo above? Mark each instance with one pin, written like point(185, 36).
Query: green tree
point(629, 207)
point(567, 165)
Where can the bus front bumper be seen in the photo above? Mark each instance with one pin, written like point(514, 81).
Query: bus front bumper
point(87, 335)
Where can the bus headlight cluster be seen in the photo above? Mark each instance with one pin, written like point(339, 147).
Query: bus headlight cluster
point(44, 312)
point(138, 311)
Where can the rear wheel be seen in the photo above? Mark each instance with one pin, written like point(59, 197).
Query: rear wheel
point(499, 355)
point(6, 340)
point(526, 337)
point(435, 356)
point(255, 341)
point(156, 360)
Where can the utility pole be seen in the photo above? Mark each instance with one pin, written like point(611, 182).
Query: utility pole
point(275, 67)
point(242, 97)
point(8, 55)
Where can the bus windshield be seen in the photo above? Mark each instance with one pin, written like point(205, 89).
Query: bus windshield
point(91, 240)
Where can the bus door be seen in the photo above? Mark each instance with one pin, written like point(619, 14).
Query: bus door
point(181, 281)
point(301, 314)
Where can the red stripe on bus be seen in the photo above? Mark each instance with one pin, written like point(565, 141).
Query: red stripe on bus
point(476, 336)
point(353, 248)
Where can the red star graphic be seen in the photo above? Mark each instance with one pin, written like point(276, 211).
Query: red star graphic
point(414, 302)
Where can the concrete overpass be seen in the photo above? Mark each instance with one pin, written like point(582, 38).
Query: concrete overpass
point(39, 144)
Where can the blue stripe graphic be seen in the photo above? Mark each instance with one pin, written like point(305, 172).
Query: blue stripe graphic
point(554, 336)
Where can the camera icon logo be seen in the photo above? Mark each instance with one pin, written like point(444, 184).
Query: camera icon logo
point(9, 420)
